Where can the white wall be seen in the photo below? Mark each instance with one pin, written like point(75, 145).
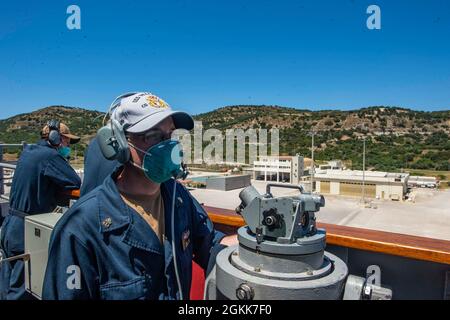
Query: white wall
point(334, 187)
point(390, 191)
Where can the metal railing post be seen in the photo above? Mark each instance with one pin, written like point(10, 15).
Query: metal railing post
point(2, 178)
point(7, 165)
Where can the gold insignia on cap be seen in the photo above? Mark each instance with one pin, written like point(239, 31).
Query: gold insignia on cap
point(156, 102)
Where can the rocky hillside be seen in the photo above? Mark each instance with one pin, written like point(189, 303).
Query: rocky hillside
point(396, 137)
point(27, 126)
point(375, 120)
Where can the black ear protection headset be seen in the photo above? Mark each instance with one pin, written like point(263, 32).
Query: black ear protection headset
point(54, 136)
point(114, 146)
point(113, 142)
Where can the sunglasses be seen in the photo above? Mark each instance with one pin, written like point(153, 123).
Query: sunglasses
point(153, 136)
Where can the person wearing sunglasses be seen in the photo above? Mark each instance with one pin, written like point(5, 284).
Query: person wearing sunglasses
point(136, 235)
point(97, 168)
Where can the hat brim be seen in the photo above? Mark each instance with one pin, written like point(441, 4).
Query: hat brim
point(182, 120)
point(73, 138)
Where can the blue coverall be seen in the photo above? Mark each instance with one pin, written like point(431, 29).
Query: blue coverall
point(40, 177)
point(96, 167)
point(103, 249)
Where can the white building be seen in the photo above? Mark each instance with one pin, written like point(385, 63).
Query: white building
point(279, 168)
point(423, 182)
point(332, 165)
point(380, 185)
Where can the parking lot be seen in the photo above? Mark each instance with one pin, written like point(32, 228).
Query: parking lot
point(428, 216)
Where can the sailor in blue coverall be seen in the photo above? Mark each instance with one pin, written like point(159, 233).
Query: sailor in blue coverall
point(106, 248)
point(42, 173)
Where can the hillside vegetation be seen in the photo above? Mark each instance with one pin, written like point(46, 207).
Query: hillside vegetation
point(27, 127)
point(396, 138)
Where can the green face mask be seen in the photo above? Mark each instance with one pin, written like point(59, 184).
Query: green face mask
point(64, 151)
point(162, 161)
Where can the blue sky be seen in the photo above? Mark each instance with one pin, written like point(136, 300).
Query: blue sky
point(199, 55)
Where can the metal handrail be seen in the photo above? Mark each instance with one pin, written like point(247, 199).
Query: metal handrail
point(7, 165)
point(12, 144)
point(24, 257)
point(4, 165)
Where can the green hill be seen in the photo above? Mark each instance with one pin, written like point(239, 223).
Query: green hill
point(396, 137)
point(26, 127)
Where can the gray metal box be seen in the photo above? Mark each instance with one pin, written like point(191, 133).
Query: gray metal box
point(226, 183)
point(38, 229)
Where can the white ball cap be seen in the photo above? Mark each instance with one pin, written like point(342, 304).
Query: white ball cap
point(142, 111)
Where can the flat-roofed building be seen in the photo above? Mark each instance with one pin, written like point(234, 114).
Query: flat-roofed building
point(377, 184)
point(422, 181)
point(332, 165)
point(279, 168)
